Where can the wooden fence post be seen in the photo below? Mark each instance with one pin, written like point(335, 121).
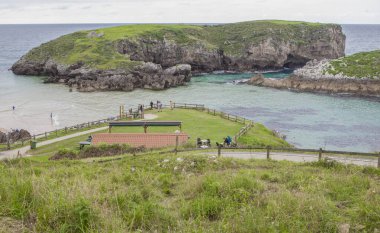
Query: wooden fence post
point(320, 154)
point(45, 135)
point(214, 112)
point(228, 116)
point(268, 152)
point(176, 144)
point(65, 130)
point(56, 132)
point(8, 141)
point(219, 150)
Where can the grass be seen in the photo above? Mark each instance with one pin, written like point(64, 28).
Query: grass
point(194, 123)
point(359, 65)
point(101, 51)
point(159, 193)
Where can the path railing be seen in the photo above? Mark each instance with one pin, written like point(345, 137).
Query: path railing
point(322, 154)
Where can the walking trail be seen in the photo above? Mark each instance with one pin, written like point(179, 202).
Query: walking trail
point(22, 151)
point(295, 157)
point(11, 154)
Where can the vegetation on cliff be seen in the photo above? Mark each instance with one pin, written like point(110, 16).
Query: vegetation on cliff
point(359, 65)
point(97, 48)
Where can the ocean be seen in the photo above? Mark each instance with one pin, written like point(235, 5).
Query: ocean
point(308, 120)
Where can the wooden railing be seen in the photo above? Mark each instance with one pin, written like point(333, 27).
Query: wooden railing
point(322, 154)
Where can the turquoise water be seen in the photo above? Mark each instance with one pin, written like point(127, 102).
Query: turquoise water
point(308, 120)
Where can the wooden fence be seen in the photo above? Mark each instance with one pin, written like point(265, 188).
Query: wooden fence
point(248, 124)
point(268, 150)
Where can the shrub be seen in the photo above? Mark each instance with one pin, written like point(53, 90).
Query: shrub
point(102, 150)
point(65, 154)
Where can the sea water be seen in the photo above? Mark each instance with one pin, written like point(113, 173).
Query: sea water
point(308, 120)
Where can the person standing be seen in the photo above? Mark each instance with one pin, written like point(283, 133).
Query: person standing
point(171, 105)
point(151, 105)
point(13, 107)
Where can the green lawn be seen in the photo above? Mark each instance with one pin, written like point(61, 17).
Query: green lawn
point(161, 193)
point(194, 123)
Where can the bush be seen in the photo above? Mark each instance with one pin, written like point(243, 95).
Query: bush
point(102, 150)
point(65, 154)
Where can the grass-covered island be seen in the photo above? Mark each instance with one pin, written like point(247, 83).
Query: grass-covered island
point(162, 56)
point(185, 192)
point(357, 74)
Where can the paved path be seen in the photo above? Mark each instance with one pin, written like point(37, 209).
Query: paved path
point(299, 157)
point(10, 154)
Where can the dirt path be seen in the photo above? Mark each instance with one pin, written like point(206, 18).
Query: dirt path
point(10, 154)
point(299, 157)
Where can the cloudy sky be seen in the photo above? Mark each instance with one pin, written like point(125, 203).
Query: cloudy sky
point(187, 11)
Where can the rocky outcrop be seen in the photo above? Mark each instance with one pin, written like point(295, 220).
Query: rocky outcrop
point(357, 87)
point(148, 75)
point(15, 135)
point(167, 57)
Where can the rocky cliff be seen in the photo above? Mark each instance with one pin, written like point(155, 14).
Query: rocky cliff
point(163, 56)
point(358, 74)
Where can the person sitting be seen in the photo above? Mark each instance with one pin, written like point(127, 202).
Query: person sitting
point(229, 139)
point(199, 142)
point(225, 142)
point(89, 139)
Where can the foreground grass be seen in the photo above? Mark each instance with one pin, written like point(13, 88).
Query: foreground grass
point(188, 193)
point(359, 65)
point(194, 123)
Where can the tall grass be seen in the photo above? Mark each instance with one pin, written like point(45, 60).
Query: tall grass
point(161, 193)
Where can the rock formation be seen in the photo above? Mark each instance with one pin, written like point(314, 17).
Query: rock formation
point(358, 87)
point(15, 135)
point(165, 56)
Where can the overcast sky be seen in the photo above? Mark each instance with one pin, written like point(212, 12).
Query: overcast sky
point(187, 11)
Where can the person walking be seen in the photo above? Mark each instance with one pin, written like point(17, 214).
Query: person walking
point(151, 105)
point(160, 107)
point(171, 105)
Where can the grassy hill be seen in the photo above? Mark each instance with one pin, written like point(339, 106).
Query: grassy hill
point(359, 65)
point(197, 193)
point(96, 48)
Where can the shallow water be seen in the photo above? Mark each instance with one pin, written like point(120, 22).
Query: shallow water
point(308, 120)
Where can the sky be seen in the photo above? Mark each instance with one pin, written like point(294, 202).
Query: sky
point(187, 11)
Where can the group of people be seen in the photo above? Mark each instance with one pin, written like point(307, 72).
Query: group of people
point(159, 105)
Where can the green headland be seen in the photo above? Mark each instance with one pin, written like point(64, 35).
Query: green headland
point(359, 65)
point(97, 50)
